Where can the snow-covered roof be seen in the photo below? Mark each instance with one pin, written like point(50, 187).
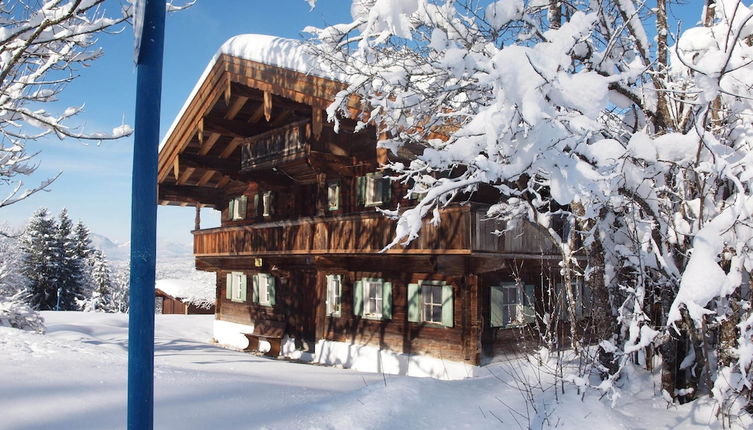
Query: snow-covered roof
point(188, 290)
point(271, 50)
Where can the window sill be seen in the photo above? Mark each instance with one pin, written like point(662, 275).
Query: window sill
point(431, 324)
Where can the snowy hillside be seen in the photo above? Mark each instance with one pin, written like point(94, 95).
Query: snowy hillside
point(74, 377)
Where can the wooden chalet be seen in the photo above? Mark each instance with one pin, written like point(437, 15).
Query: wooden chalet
point(166, 303)
point(299, 244)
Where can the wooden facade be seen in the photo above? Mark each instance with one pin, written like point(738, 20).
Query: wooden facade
point(300, 239)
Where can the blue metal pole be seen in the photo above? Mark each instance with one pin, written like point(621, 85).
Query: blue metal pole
point(144, 220)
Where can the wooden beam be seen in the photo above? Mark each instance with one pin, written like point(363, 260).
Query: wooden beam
point(207, 162)
point(191, 194)
point(232, 128)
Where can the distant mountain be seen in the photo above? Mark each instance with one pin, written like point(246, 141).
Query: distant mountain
point(118, 252)
point(114, 250)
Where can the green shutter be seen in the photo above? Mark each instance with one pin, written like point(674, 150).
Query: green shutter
point(379, 188)
point(257, 205)
point(361, 190)
point(447, 306)
point(358, 298)
point(243, 204)
point(229, 286)
point(387, 300)
point(230, 207)
point(414, 308)
point(529, 304)
point(386, 191)
point(497, 309)
point(272, 289)
point(243, 286)
point(588, 298)
point(255, 282)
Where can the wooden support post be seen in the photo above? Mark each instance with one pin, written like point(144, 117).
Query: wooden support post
point(197, 219)
point(321, 194)
point(473, 348)
point(267, 105)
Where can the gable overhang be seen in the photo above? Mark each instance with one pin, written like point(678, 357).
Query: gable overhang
point(237, 99)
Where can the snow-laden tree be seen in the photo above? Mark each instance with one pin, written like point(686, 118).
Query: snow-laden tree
point(641, 146)
point(40, 264)
point(43, 45)
point(73, 280)
point(101, 298)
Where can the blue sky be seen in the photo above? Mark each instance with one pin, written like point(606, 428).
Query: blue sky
point(96, 180)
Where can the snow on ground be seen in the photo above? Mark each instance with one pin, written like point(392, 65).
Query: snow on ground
point(74, 377)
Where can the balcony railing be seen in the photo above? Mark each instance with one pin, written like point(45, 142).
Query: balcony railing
point(462, 230)
point(276, 145)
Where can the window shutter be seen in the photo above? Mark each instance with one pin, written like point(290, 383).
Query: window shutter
point(231, 209)
point(497, 307)
point(242, 205)
point(257, 205)
point(529, 304)
point(414, 308)
point(588, 299)
point(386, 191)
point(361, 190)
point(358, 298)
point(387, 300)
point(255, 282)
point(271, 289)
point(447, 306)
point(272, 198)
point(243, 286)
point(229, 286)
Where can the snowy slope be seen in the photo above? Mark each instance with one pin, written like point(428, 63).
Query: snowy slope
point(75, 378)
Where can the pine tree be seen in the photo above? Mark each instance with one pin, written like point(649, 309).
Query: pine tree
point(101, 299)
point(40, 263)
point(72, 277)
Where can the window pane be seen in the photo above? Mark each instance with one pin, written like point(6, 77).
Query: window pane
point(437, 314)
point(437, 294)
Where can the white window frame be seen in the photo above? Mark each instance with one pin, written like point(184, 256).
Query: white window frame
point(333, 196)
point(368, 299)
point(334, 295)
point(372, 195)
point(235, 286)
point(263, 282)
point(430, 287)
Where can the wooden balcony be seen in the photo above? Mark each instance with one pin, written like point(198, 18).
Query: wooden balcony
point(277, 146)
point(462, 230)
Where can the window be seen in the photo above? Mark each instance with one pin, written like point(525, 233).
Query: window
point(264, 289)
point(431, 295)
point(236, 286)
point(373, 189)
point(583, 299)
point(431, 302)
point(334, 295)
point(372, 298)
point(237, 208)
point(333, 196)
point(267, 203)
point(512, 305)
